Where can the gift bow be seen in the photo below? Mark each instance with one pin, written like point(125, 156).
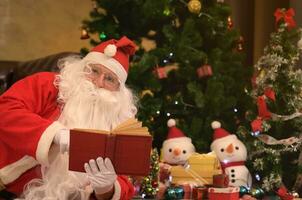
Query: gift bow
point(287, 16)
point(283, 193)
point(263, 112)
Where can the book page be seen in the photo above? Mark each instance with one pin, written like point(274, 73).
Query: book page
point(131, 127)
point(92, 131)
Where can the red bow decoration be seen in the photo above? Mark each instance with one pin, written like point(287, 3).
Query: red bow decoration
point(283, 193)
point(263, 112)
point(287, 16)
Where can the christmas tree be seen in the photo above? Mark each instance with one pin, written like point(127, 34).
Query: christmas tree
point(189, 65)
point(274, 143)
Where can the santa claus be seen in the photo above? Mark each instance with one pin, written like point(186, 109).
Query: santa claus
point(38, 111)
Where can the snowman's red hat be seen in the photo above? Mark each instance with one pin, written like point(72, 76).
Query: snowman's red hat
point(175, 133)
point(220, 134)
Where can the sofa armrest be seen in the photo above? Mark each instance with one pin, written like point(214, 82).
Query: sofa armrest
point(7, 69)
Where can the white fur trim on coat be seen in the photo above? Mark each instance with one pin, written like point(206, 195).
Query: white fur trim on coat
point(108, 62)
point(44, 144)
point(11, 172)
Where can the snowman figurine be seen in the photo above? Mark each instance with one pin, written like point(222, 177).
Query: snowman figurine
point(232, 154)
point(177, 148)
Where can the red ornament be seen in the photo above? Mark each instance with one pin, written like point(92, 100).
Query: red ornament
point(204, 71)
point(284, 194)
point(230, 22)
point(161, 72)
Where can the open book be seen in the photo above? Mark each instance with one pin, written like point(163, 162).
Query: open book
point(128, 146)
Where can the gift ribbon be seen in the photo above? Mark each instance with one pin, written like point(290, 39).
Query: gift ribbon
point(287, 16)
point(272, 141)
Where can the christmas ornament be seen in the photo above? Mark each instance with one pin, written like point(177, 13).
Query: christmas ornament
point(230, 22)
point(167, 12)
point(257, 192)
point(148, 44)
point(240, 44)
point(174, 193)
point(232, 154)
point(243, 190)
point(194, 6)
point(151, 33)
point(161, 72)
point(84, 34)
point(146, 92)
point(287, 16)
point(102, 36)
point(176, 22)
point(204, 71)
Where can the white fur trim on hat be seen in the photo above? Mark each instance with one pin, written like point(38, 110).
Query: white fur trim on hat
point(110, 50)
point(216, 142)
point(171, 122)
point(177, 140)
point(108, 62)
point(215, 124)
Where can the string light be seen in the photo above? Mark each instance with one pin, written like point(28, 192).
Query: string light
point(257, 176)
point(235, 110)
point(158, 112)
point(176, 102)
point(168, 114)
point(256, 133)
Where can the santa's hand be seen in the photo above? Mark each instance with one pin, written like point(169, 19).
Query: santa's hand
point(101, 175)
point(62, 139)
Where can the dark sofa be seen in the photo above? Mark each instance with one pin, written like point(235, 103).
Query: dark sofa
point(12, 71)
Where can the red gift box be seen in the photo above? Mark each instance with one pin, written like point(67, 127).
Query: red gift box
point(187, 191)
point(221, 180)
point(230, 193)
point(205, 70)
point(199, 193)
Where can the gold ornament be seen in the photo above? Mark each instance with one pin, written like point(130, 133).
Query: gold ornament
point(262, 74)
point(151, 33)
point(149, 92)
point(240, 44)
point(176, 22)
point(194, 6)
point(84, 34)
point(230, 22)
point(148, 44)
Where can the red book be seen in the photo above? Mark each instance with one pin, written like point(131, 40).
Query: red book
point(128, 146)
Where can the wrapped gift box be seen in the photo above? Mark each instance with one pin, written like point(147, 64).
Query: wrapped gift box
point(199, 193)
point(220, 180)
point(230, 193)
point(199, 170)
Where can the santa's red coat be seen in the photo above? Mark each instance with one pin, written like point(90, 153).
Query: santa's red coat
point(28, 114)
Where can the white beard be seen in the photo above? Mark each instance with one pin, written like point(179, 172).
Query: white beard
point(85, 106)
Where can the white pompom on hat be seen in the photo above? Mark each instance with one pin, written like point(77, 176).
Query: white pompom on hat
point(174, 132)
point(220, 134)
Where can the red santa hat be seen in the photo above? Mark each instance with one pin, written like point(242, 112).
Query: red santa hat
point(113, 54)
point(175, 134)
point(220, 134)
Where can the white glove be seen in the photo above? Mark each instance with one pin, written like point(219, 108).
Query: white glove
point(101, 174)
point(62, 139)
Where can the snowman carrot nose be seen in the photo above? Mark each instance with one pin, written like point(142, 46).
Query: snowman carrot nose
point(230, 148)
point(176, 151)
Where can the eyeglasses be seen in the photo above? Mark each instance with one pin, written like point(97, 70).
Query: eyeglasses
point(109, 79)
